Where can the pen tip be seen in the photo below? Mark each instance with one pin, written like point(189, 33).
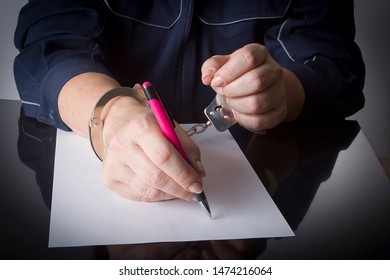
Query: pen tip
point(201, 198)
point(207, 208)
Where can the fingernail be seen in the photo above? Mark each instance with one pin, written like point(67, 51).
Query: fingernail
point(200, 167)
point(207, 73)
point(195, 187)
point(217, 82)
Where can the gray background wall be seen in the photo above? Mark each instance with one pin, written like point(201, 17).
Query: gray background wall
point(373, 36)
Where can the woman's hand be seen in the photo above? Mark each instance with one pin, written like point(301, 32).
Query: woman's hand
point(140, 163)
point(261, 93)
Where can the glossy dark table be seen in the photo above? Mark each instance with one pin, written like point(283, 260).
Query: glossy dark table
point(325, 179)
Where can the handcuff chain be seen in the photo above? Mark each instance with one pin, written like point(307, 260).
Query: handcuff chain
point(198, 128)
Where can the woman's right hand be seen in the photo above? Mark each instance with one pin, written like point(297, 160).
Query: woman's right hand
point(139, 163)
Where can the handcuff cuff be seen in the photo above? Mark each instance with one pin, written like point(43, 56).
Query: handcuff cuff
point(95, 124)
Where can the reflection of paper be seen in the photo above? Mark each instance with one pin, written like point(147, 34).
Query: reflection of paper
point(84, 212)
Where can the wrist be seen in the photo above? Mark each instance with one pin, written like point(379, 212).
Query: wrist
point(78, 97)
point(111, 109)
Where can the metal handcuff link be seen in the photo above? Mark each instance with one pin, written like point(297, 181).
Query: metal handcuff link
point(219, 114)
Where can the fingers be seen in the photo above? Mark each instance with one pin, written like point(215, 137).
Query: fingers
point(168, 170)
point(136, 177)
point(156, 178)
point(219, 71)
point(260, 123)
point(124, 180)
point(211, 65)
point(141, 193)
point(262, 111)
point(252, 83)
point(141, 164)
point(258, 103)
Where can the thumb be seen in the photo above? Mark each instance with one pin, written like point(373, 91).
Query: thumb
point(211, 66)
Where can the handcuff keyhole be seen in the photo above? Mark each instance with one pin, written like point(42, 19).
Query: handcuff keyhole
point(218, 108)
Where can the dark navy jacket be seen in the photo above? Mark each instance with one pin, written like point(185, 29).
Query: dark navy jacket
point(167, 41)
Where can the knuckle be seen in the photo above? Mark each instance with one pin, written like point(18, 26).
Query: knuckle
point(150, 194)
point(157, 178)
point(276, 76)
point(255, 81)
point(254, 104)
point(142, 123)
point(278, 71)
point(185, 178)
point(140, 127)
point(114, 146)
point(162, 155)
point(249, 57)
point(213, 62)
point(252, 53)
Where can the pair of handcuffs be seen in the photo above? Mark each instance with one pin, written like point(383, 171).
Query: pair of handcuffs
point(218, 112)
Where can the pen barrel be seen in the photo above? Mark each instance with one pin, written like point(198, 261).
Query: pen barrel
point(166, 126)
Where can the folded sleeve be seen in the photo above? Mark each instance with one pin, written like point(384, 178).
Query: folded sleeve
point(316, 42)
point(57, 41)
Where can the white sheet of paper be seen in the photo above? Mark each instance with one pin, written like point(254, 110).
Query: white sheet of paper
point(84, 212)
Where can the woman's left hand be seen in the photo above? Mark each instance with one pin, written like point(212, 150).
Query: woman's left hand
point(252, 83)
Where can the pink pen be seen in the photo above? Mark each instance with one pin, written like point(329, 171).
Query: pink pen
point(168, 129)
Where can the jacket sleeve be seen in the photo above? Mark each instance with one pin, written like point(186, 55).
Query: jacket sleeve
point(316, 42)
point(56, 40)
